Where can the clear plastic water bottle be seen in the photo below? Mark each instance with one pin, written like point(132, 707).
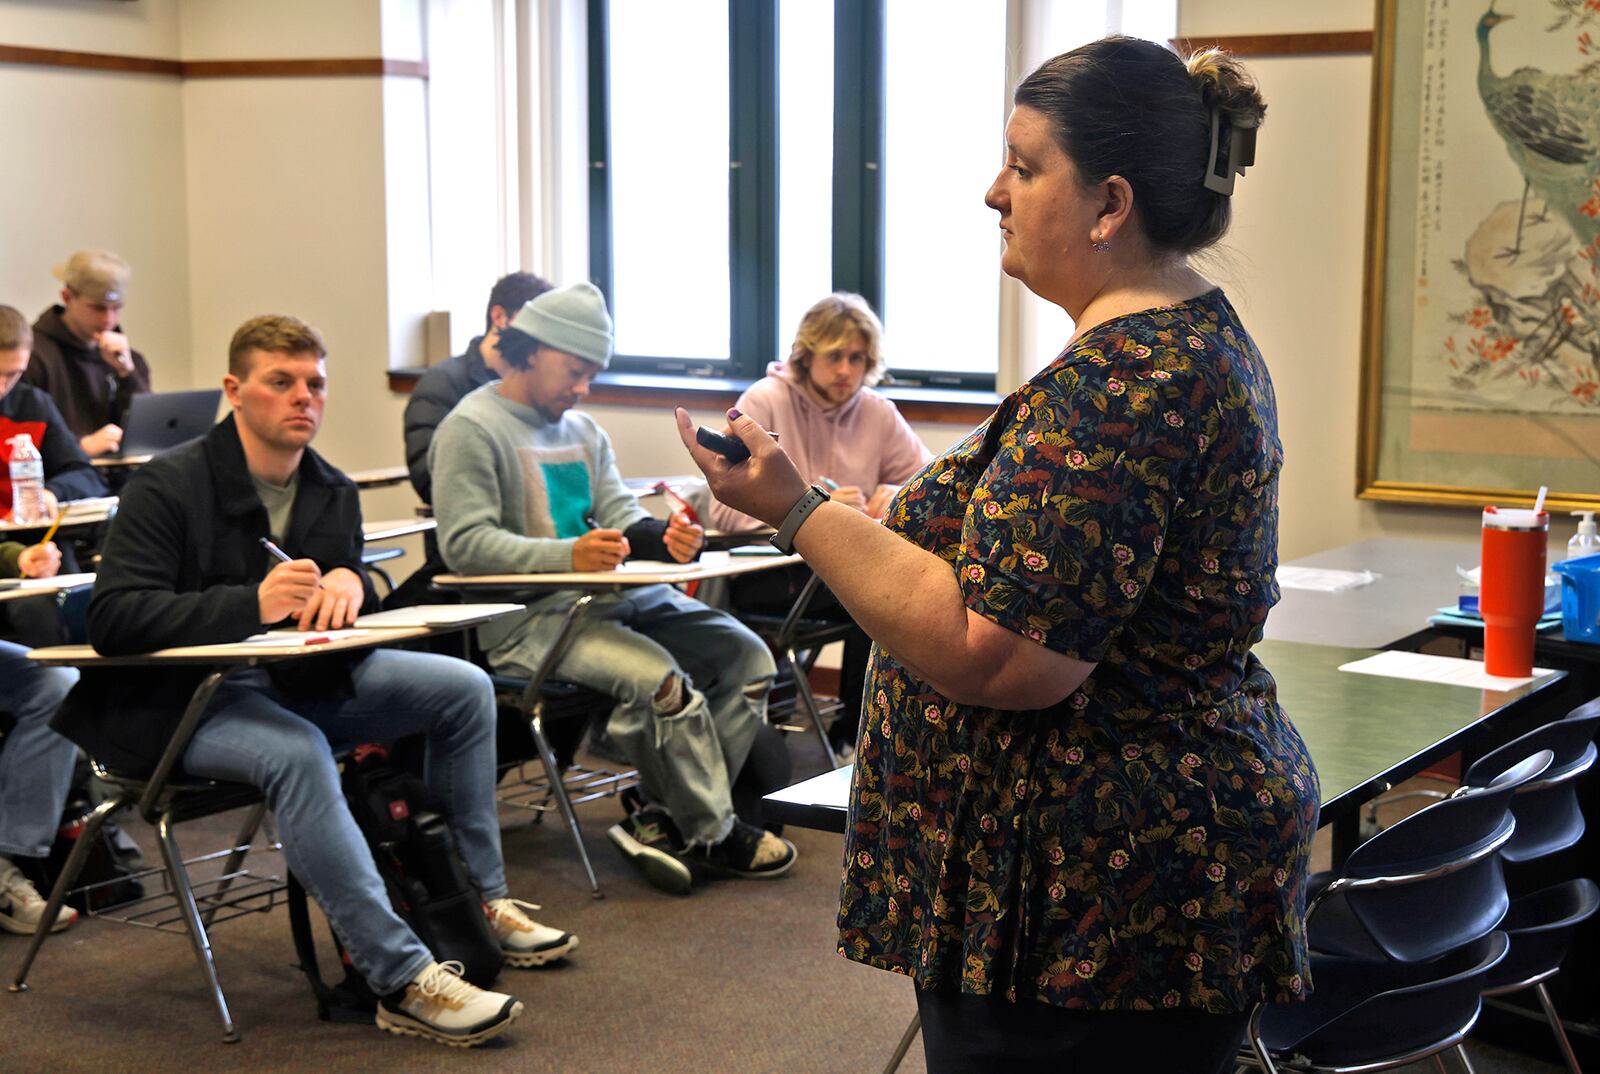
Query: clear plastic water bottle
point(27, 481)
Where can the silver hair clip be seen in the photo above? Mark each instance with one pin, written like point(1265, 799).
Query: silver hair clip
point(1237, 153)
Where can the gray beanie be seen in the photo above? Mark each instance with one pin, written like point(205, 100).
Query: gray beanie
point(570, 319)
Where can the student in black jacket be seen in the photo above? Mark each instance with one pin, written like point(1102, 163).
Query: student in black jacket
point(185, 564)
point(68, 474)
point(436, 394)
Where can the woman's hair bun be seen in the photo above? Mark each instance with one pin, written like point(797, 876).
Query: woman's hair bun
point(1223, 83)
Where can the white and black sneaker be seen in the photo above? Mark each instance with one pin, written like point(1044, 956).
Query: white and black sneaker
point(440, 1005)
point(647, 840)
point(21, 908)
point(748, 852)
point(524, 942)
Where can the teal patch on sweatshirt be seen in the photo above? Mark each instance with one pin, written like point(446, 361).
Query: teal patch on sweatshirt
point(570, 496)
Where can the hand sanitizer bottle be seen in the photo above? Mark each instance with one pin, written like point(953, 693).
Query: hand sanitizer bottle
point(1586, 541)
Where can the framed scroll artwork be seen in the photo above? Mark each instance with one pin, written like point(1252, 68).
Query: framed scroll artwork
point(1481, 333)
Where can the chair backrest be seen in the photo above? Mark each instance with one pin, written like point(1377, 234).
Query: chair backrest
point(1434, 880)
point(1414, 1010)
point(1588, 708)
point(1548, 816)
point(1541, 926)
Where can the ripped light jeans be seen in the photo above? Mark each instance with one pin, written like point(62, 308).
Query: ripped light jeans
point(628, 645)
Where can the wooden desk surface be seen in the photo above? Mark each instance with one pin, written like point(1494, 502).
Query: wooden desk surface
point(112, 462)
point(1362, 731)
point(710, 565)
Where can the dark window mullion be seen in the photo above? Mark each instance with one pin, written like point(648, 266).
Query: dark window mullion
point(858, 133)
point(753, 183)
point(600, 149)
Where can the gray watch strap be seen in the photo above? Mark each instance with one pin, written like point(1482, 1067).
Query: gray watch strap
point(783, 540)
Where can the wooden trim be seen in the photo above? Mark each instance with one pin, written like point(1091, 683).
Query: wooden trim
point(703, 397)
point(95, 61)
point(1344, 41)
point(329, 68)
point(317, 68)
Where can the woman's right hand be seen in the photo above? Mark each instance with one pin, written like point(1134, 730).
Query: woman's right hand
point(764, 486)
point(40, 560)
point(850, 496)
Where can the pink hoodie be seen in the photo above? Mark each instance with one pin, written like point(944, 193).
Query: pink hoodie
point(863, 442)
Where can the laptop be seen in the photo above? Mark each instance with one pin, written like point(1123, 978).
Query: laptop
point(157, 421)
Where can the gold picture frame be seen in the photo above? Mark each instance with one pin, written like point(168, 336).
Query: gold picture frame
point(1481, 312)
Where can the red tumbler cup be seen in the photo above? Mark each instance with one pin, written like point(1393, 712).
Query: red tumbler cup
point(1511, 597)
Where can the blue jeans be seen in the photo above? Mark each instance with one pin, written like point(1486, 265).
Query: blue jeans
point(627, 646)
point(35, 762)
point(252, 733)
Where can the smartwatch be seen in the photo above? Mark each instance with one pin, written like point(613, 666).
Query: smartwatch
point(783, 540)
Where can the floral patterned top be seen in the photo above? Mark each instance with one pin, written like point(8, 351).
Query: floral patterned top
point(1145, 843)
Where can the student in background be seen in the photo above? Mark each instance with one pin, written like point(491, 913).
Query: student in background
point(443, 386)
point(68, 474)
point(840, 433)
point(82, 357)
point(435, 395)
point(524, 482)
point(185, 564)
point(35, 763)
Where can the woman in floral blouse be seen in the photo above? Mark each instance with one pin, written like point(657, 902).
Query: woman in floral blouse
point(1080, 821)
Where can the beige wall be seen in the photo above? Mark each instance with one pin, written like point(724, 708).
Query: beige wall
point(1293, 266)
point(233, 196)
point(96, 159)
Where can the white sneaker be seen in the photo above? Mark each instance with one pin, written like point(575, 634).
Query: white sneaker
point(524, 941)
point(441, 1006)
point(21, 908)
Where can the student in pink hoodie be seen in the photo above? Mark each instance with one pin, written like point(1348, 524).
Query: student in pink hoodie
point(843, 435)
point(835, 427)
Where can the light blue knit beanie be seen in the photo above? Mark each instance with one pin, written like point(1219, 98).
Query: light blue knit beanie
point(571, 319)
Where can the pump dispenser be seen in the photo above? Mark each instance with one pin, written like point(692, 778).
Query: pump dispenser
point(1586, 542)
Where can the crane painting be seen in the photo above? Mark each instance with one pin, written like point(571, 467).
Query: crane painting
point(1517, 265)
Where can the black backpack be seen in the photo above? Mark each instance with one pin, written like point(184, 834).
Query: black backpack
point(428, 883)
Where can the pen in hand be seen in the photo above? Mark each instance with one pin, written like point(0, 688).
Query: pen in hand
point(279, 554)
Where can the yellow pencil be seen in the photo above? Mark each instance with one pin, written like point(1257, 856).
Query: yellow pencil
point(61, 512)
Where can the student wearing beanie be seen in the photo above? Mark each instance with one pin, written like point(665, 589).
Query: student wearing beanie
point(523, 482)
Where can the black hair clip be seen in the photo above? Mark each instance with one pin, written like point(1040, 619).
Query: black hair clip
point(1229, 157)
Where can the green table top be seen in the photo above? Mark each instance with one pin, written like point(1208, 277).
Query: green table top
point(1362, 729)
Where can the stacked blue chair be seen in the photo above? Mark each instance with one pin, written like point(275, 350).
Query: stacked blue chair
point(1402, 939)
point(1541, 925)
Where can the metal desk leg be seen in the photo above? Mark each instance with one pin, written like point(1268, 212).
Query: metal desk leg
point(904, 1046)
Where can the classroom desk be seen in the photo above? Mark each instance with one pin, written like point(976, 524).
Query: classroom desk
point(1415, 577)
point(1364, 733)
point(79, 513)
point(119, 462)
point(396, 528)
point(23, 588)
point(381, 477)
point(709, 565)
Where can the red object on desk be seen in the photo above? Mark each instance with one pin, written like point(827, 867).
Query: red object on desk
point(1511, 595)
point(679, 504)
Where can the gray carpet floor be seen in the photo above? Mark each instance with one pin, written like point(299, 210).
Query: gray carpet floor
point(741, 977)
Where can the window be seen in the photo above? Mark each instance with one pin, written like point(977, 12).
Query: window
point(749, 156)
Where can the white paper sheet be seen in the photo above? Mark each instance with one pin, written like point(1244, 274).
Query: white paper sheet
point(654, 566)
point(60, 581)
point(427, 615)
point(286, 639)
point(1323, 579)
point(1449, 670)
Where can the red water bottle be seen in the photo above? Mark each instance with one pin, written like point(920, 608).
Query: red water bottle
point(1511, 599)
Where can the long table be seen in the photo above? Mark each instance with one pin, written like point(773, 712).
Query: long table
point(1364, 733)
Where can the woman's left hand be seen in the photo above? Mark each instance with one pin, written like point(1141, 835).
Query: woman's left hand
point(764, 486)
